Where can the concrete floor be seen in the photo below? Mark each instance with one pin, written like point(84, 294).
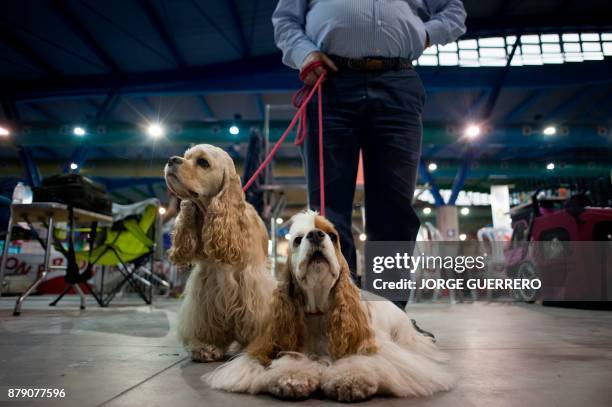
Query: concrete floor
point(127, 355)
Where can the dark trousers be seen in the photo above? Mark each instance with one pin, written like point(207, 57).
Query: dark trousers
point(379, 113)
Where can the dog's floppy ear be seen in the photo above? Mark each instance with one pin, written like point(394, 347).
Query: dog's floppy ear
point(225, 229)
point(285, 326)
point(186, 235)
point(348, 326)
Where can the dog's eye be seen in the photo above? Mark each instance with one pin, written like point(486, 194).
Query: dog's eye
point(333, 237)
point(297, 241)
point(202, 162)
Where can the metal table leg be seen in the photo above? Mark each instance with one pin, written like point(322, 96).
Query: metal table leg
point(5, 249)
point(78, 290)
point(47, 267)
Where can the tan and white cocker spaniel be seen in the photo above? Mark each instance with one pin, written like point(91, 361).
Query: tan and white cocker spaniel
point(229, 289)
point(322, 336)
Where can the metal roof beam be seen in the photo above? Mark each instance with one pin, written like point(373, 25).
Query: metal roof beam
point(8, 37)
point(216, 26)
point(267, 74)
point(547, 22)
point(205, 107)
point(569, 103)
point(494, 95)
point(155, 19)
point(524, 105)
point(10, 109)
point(433, 187)
point(31, 171)
point(152, 111)
point(42, 112)
point(261, 106)
point(107, 107)
point(77, 27)
point(238, 26)
point(462, 175)
point(470, 111)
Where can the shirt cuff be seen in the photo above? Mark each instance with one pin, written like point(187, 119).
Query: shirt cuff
point(437, 32)
point(300, 52)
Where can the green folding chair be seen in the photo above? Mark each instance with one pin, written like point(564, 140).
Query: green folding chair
point(127, 244)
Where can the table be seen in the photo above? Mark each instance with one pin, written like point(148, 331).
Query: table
point(49, 213)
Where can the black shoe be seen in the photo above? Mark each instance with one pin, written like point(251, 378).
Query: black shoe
point(422, 331)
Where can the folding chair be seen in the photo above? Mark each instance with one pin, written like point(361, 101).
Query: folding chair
point(127, 245)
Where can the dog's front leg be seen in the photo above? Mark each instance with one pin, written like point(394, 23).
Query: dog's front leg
point(348, 380)
point(292, 376)
point(206, 353)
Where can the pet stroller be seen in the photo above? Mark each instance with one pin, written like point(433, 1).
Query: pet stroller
point(566, 243)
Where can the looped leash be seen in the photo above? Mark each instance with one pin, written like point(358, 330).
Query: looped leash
point(300, 100)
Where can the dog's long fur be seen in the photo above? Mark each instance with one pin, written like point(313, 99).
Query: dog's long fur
point(228, 291)
point(322, 336)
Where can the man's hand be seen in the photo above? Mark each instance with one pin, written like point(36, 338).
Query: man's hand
point(312, 77)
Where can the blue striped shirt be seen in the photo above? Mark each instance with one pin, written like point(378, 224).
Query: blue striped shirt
point(364, 28)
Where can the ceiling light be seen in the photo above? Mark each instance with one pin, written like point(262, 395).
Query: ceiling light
point(549, 131)
point(161, 210)
point(362, 237)
point(465, 211)
point(432, 167)
point(550, 166)
point(472, 131)
point(4, 131)
point(462, 237)
point(74, 166)
point(279, 221)
point(234, 130)
point(79, 131)
point(427, 210)
point(288, 236)
point(155, 130)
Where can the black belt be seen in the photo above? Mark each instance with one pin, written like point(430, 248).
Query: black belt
point(371, 64)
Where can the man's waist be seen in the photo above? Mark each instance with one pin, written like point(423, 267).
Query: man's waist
point(371, 63)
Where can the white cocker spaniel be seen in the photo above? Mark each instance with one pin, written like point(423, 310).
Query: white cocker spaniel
point(229, 289)
point(322, 336)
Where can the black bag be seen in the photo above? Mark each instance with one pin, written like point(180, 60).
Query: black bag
point(76, 191)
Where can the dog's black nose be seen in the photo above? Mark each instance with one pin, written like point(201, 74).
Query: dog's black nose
point(174, 161)
point(315, 236)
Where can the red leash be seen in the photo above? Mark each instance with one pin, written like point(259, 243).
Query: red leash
point(300, 100)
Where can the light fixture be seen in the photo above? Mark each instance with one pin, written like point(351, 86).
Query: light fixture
point(234, 130)
point(472, 131)
point(549, 131)
point(288, 236)
point(432, 167)
point(155, 130)
point(4, 131)
point(161, 210)
point(279, 221)
point(550, 166)
point(79, 131)
point(465, 211)
point(74, 166)
point(362, 237)
point(427, 210)
point(462, 237)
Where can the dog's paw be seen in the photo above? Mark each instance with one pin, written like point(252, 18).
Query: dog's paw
point(293, 386)
point(207, 353)
point(350, 387)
